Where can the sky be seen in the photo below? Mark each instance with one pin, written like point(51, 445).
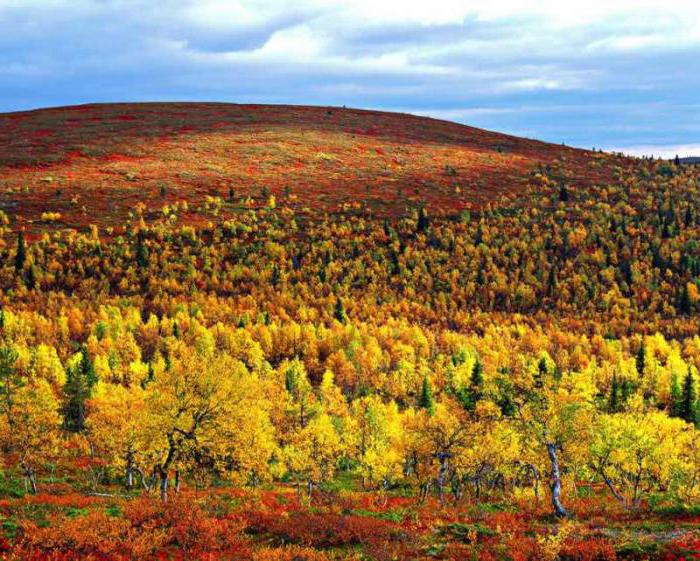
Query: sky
point(616, 74)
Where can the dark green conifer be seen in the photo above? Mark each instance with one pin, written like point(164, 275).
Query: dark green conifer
point(141, 251)
point(339, 311)
point(423, 221)
point(425, 400)
point(688, 410)
point(80, 381)
point(641, 359)
point(21, 253)
point(614, 403)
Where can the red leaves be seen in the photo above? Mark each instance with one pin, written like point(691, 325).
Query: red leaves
point(682, 549)
point(324, 530)
point(597, 549)
point(259, 146)
point(147, 529)
point(239, 525)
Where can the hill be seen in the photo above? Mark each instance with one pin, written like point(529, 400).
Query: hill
point(94, 163)
point(325, 334)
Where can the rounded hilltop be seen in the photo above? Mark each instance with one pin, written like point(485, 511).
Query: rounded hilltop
point(69, 167)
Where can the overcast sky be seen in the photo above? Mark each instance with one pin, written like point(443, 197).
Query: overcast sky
point(616, 74)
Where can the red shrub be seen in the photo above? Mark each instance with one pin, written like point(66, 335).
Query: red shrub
point(323, 530)
point(596, 549)
point(682, 549)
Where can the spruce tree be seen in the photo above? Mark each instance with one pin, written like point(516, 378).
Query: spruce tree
point(675, 397)
point(688, 410)
point(479, 237)
point(149, 377)
point(21, 254)
point(477, 377)
point(614, 403)
point(423, 221)
point(10, 379)
point(88, 369)
point(80, 381)
point(425, 400)
point(541, 374)
point(30, 278)
point(480, 276)
point(641, 359)
point(141, 252)
point(469, 396)
point(684, 303)
point(339, 311)
point(291, 381)
point(564, 194)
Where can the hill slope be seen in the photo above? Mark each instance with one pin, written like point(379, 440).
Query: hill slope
point(94, 163)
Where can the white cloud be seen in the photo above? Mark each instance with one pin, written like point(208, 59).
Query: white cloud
point(223, 14)
point(505, 64)
point(661, 151)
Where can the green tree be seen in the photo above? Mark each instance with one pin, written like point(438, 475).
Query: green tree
point(688, 410)
point(425, 400)
point(30, 278)
point(339, 311)
point(615, 400)
point(470, 395)
point(10, 379)
point(80, 381)
point(21, 253)
point(676, 397)
point(684, 303)
point(563, 193)
point(141, 251)
point(641, 359)
point(423, 221)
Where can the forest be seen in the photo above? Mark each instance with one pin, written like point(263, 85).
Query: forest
point(241, 376)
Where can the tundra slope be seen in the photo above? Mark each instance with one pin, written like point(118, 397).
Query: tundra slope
point(94, 163)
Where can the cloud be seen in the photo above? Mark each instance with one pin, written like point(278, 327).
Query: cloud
point(666, 152)
point(481, 62)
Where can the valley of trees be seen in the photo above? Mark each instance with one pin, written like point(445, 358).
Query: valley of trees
point(535, 351)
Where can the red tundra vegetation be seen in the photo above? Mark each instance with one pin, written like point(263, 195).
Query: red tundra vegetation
point(98, 162)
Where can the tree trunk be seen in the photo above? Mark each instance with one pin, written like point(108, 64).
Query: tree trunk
point(456, 487)
point(129, 478)
point(443, 458)
point(142, 476)
point(31, 479)
point(163, 485)
point(612, 489)
point(424, 490)
point(177, 481)
point(153, 479)
point(559, 509)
